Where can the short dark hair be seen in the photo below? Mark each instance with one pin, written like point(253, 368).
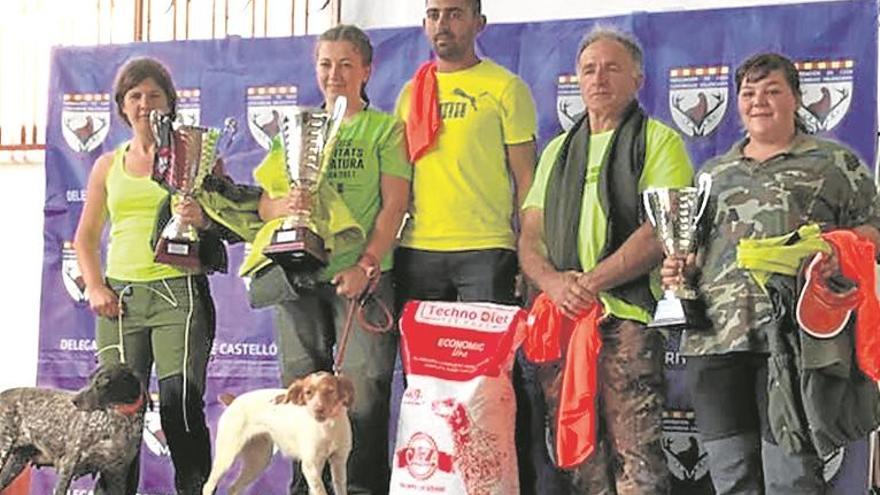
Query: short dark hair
point(358, 38)
point(758, 66)
point(476, 6)
point(134, 72)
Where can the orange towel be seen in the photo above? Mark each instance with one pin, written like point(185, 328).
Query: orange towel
point(423, 122)
point(856, 256)
point(549, 332)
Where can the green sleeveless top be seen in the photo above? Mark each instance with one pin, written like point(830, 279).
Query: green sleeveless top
point(132, 203)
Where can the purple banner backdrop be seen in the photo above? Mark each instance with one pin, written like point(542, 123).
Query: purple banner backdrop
point(690, 59)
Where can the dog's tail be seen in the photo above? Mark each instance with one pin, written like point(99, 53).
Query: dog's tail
point(226, 398)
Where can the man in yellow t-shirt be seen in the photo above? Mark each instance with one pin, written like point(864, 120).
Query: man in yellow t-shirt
point(469, 183)
point(583, 243)
point(460, 243)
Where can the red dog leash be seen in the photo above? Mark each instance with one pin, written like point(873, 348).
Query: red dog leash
point(357, 308)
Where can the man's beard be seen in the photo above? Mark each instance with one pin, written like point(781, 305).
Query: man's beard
point(449, 51)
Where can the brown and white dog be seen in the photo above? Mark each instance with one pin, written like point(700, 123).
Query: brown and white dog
point(307, 421)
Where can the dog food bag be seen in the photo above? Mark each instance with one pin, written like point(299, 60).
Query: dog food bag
point(455, 433)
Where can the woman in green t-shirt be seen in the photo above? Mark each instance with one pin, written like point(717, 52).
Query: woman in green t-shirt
point(369, 170)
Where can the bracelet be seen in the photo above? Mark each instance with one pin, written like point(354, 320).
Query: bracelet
point(369, 264)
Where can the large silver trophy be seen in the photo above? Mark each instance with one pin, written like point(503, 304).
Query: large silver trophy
point(185, 155)
point(675, 214)
point(307, 138)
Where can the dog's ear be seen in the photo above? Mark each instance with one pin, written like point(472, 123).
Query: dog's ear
point(345, 390)
point(296, 392)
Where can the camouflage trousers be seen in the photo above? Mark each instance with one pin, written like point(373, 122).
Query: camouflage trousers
point(629, 458)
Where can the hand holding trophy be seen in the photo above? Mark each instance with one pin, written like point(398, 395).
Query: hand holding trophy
point(675, 214)
point(185, 155)
point(307, 139)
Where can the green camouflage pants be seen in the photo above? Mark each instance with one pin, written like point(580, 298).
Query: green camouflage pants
point(628, 459)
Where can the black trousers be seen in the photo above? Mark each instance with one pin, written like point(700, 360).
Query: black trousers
point(729, 394)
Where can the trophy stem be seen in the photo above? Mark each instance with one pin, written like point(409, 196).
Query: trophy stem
point(675, 313)
point(178, 245)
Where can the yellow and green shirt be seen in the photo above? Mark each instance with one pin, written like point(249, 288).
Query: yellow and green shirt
point(462, 192)
point(666, 165)
point(132, 205)
point(369, 145)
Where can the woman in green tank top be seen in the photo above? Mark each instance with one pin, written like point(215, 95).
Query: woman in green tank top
point(148, 311)
point(369, 170)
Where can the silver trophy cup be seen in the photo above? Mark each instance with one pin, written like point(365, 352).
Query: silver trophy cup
point(185, 155)
point(307, 138)
point(675, 214)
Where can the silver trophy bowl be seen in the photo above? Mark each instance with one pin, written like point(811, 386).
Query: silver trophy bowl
point(675, 214)
point(307, 137)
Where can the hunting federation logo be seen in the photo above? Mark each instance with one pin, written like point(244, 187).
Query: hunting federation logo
point(569, 104)
point(85, 120)
point(188, 105)
point(698, 98)
point(266, 107)
point(687, 461)
point(827, 91)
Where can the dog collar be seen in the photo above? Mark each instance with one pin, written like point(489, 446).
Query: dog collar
point(130, 409)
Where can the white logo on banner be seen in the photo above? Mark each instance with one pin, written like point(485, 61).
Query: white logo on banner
point(71, 275)
point(569, 104)
point(189, 106)
point(698, 98)
point(266, 105)
point(827, 91)
point(685, 457)
point(85, 120)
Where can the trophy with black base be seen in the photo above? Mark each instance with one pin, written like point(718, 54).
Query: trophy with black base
point(185, 155)
point(675, 214)
point(307, 138)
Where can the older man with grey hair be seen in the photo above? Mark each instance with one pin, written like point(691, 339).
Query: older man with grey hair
point(584, 243)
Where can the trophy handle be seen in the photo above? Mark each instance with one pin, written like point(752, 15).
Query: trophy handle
point(287, 148)
point(339, 109)
point(331, 127)
point(704, 185)
point(647, 203)
point(163, 139)
point(155, 119)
